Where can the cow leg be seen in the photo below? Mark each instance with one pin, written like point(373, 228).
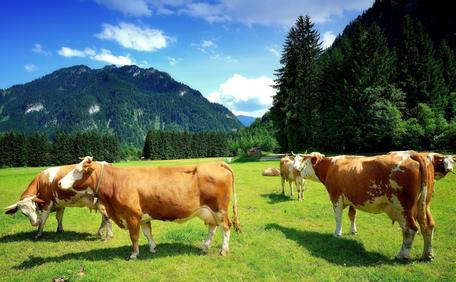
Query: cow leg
point(283, 185)
point(43, 217)
point(290, 183)
point(133, 228)
point(338, 208)
point(225, 227)
point(59, 217)
point(301, 194)
point(108, 226)
point(147, 230)
point(102, 227)
point(428, 233)
point(207, 244)
point(409, 229)
point(352, 216)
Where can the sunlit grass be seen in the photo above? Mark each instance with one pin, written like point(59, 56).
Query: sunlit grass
point(282, 239)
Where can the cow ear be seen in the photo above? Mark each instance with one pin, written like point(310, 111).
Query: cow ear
point(314, 160)
point(39, 201)
point(81, 158)
point(11, 209)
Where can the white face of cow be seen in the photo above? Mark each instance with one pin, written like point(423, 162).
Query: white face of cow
point(448, 163)
point(298, 162)
point(28, 208)
point(76, 174)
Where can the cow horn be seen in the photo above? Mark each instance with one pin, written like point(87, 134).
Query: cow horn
point(293, 154)
point(11, 209)
point(38, 200)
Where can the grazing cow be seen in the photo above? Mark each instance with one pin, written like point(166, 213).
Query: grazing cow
point(400, 185)
point(43, 196)
point(133, 196)
point(291, 175)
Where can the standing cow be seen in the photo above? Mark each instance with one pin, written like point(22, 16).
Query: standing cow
point(291, 175)
point(43, 196)
point(133, 196)
point(400, 185)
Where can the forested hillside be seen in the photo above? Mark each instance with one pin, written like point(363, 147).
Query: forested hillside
point(127, 101)
point(371, 91)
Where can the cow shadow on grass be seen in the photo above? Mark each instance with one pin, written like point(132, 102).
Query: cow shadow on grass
point(274, 198)
point(49, 237)
point(340, 251)
point(164, 250)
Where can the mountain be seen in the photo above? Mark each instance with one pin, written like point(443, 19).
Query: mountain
point(437, 18)
point(246, 120)
point(127, 101)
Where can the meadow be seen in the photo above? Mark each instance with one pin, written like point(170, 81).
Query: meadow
point(282, 239)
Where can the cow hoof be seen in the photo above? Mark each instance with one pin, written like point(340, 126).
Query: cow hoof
point(59, 231)
point(107, 238)
point(132, 257)
point(153, 250)
point(223, 253)
point(336, 235)
point(402, 259)
point(428, 258)
point(38, 236)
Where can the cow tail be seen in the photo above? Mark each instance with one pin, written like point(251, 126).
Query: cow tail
point(423, 185)
point(236, 222)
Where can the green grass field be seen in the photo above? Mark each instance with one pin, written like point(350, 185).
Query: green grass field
point(282, 239)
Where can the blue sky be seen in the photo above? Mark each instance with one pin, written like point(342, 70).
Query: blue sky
point(227, 49)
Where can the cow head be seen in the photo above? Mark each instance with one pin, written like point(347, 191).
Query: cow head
point(79, 178)
point(305, 164)
point(28, 207)
point(443, 164)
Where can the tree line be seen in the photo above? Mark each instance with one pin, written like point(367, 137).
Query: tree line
point(18, 149)
point(360, 95)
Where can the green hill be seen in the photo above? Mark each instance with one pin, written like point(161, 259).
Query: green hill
point(127, 101)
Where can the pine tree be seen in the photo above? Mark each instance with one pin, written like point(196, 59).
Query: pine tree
point(419, 74)
point(293, 110)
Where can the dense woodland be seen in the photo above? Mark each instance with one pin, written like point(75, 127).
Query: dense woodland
point(18, 149)
point(364, 95)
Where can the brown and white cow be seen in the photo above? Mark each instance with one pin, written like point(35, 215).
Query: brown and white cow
point(443, 164)
point(133, 196)
point(291, 175)
point(400, 185)
point(43, 196)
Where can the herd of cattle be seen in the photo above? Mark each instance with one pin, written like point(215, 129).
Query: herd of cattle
point(399, 183)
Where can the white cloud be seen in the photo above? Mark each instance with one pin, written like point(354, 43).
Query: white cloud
point(103, 56)
point(136, 8)
point(68, 52)
point(173, 61)
point(205, 46)
point(247, 96)
point(38, 48)
point(263, 12)
point(328, 39)
point(274, 51)
point(106, 56)
point(134, 37)
point(30, 67)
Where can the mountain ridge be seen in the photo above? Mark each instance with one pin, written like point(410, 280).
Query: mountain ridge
point(127, 101)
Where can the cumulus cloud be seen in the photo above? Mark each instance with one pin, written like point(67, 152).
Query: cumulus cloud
point(103, 56)
point(263, 12)
point(106, 56)
point(38, 48)
point(205, 46)
point(30, 67)
point(135, 8)
point(328, 39)
point(245, 96)
point(134, 37)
